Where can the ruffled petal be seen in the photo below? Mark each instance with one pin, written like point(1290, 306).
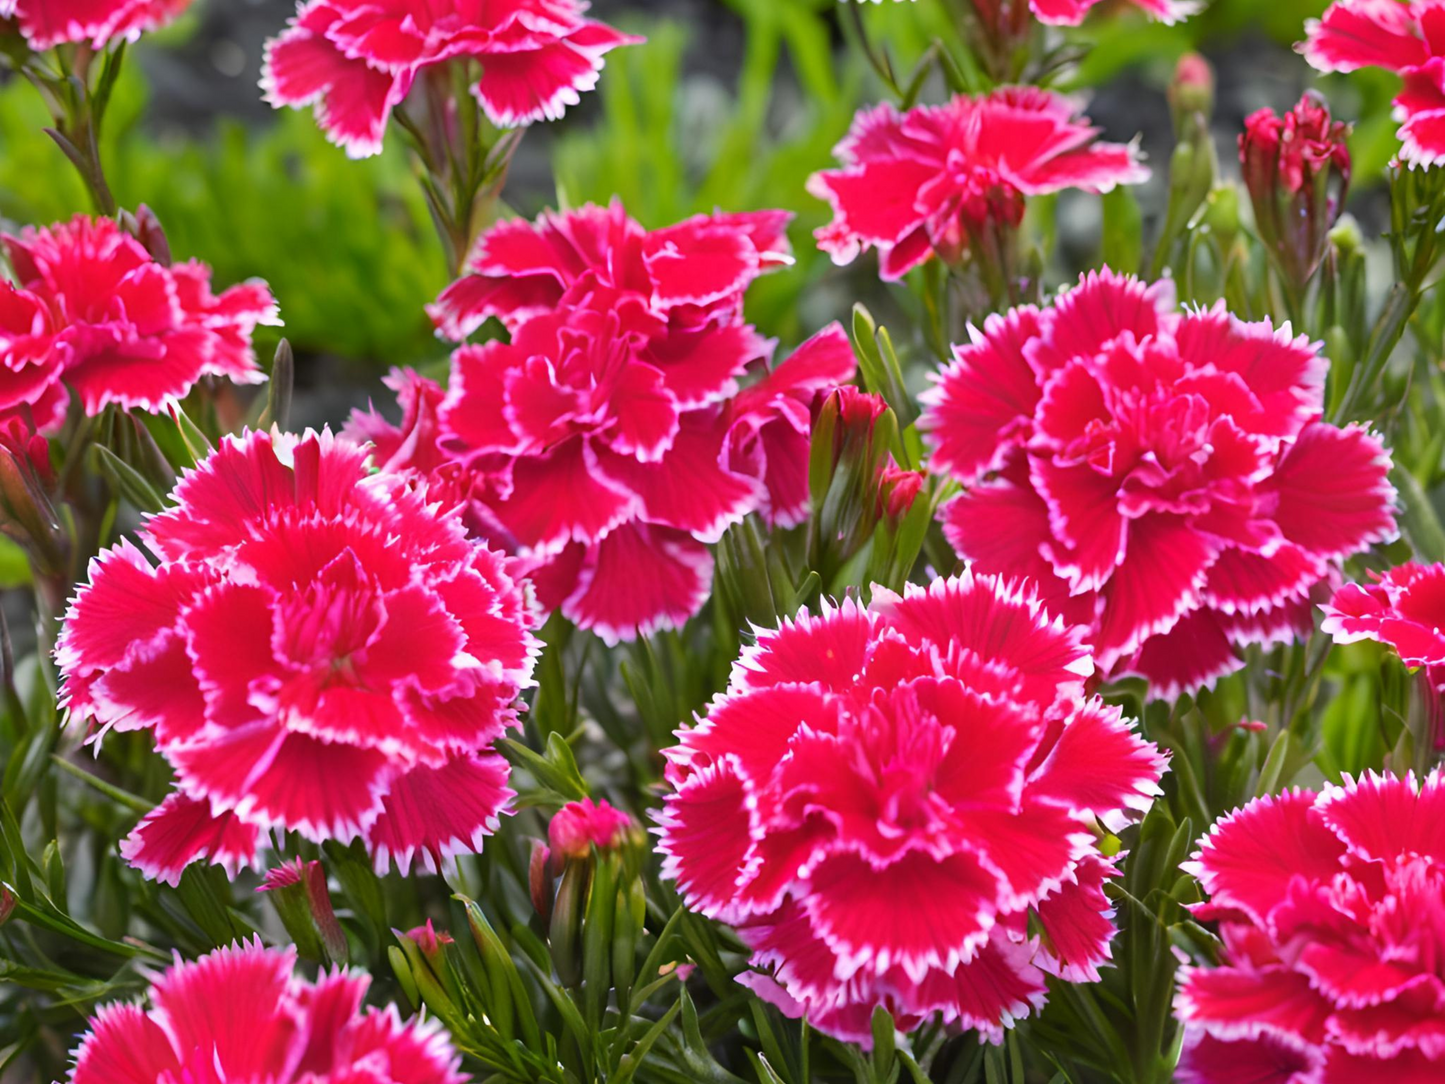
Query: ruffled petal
point(182, 830)
point(432, 814)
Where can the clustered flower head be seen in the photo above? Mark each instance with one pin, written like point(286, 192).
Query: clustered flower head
point(1403, 36)
point(315, 649)
point(47, 23)
point(240, 1014)
point(1333, 967)
point(1165, 478)
point(606, 443)
point(91, 310)
point(930, 181)
point(885, 799)
point(357, 60)
point(579, 826)
point(1297, 170)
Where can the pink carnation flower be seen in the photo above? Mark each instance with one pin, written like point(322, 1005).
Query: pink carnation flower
point(1404, 608)
point(1072, 12)
point(1165, 478)
point(692, 275)
point(47, 23)
point(315, 650)
point(935, 750)
point(239, 1014)
point(92, 311)
point(1330, 909)
point(1403, 36)
point(356, 60)
point(579, 826)
point(608, 443)
point(411, 445)
point(920, 183)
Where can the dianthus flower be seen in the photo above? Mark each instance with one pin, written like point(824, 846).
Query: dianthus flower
point(412, 444)
point(1164, 477)
point(1403, 36)
point(47, 23)
point(934, 748)
point(356, 60)
point(1333, 967)
point(240, 1014)
point(926, 181)
point(691, 276)
point(579, 826)
point(1403, 608)
point(607, 442)
point(316, 649)
point(92, 311)
point(1072, 12)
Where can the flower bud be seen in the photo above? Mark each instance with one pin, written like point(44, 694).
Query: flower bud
point(897, 490)
point(579, 826)
point(1221, 215)
point(539, 880)
point(146, 228)
point(564, 932)
point(1297, 170)
point(303, 903)
point(7, 904)
point(26, 482)
point(998, 31)
point(1191, 92)
point(430, 973)
point(1346, 236)
point(431, 943)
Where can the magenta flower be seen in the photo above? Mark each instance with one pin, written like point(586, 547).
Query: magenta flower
point(47, 23)
point(92, 311)
point(937, 749)
point(1072, 12)
point(411, 445)
point(239, 1014)
point(924, 182)
point(1165, 478)
point(1404, 608)
point(356, 60)
point(315, 650)
point(692, 275)
point(1404, 36)
point(607, 442)
point(1330, 909)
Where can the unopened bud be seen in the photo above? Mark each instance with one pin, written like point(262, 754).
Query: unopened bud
point(149, 231)
point(1191, 92)
point(539, 880)
point(579, 826)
